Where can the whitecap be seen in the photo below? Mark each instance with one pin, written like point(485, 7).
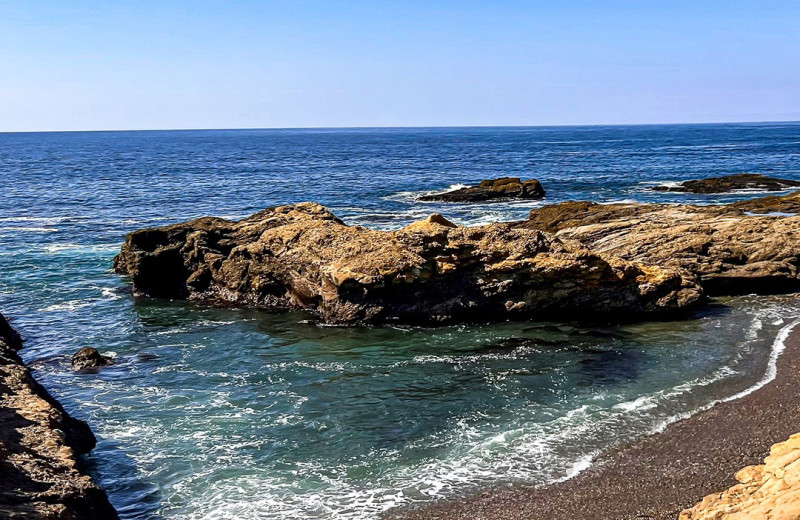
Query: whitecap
point(28, 230)
point(67, 306)
point(86, 248)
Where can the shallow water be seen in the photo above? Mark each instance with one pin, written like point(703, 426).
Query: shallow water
point(236, 413)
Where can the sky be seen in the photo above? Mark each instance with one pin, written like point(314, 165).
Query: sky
point(168, 64)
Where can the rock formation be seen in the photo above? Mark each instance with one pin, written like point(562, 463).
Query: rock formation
point(303, 257)
point(770, 491)
point(747, 247)
point(89, 358)
point(728, 183)
point(39, 442)
point(495, 189)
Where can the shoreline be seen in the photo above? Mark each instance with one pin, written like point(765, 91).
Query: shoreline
point(41, 476)
point(657, 477)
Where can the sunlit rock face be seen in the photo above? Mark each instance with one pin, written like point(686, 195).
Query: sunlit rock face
point(770, 491)
point(303, 257)
point(746, 247)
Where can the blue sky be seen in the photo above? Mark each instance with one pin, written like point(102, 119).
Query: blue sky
point(77, 65)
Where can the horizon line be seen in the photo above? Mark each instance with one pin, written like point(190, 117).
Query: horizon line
point(206, 129)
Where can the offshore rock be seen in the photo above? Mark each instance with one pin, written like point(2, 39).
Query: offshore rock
point(89, 358)
point(728, 183)
point(495, 189)
point(39, 443)
point(747, 247)
point(432, 271)
point(770, 491)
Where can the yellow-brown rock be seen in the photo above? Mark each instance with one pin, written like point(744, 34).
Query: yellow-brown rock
point(770, 491)
point(746, 247)
point(303, 257)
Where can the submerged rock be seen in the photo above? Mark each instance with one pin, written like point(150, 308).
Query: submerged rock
point(728, 183)
point(432, 271)
point(88, 358)
point(495, 189)
point(770, 491)
point(39, 442)
point(746, 247)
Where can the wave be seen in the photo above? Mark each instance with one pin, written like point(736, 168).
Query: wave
point(413, 196)
point(43, 220)
point(778, 346)
point(80, 248)
point(21, 229)
point(67, 306)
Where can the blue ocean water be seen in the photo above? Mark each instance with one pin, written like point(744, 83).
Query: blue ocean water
point(239, 413)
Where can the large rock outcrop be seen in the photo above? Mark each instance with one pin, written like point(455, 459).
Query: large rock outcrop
point(39, 442)
point(747, 247)
point(729, 183)
point(303, 257)
point(770, 491)
point(492, 190)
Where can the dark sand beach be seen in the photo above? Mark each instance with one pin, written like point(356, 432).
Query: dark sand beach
point(659, 476)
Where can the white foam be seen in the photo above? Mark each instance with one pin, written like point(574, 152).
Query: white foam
point(28, 229)
point(413, 196)
point(41, 220)
point(87, 248)
point(67, 306)
point(778, 346)
point(642, 403)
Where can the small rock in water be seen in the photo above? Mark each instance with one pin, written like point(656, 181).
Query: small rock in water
point(89, 358)
point(492, 189)
point(729, 183)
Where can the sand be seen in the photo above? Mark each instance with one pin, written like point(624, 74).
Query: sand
point(659, 476)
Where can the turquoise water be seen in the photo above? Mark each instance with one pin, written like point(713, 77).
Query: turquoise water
point(236, 413)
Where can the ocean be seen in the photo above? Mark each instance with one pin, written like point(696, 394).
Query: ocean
point(214, 413)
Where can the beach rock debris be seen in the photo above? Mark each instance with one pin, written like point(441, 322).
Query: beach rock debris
point(770, 491)
point(89, 358)
point(729, 183)
point(746, 247)
point(492, 190)
point(430, 272)
point(39, 443)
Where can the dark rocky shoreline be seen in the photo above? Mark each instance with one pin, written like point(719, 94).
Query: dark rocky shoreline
point(40, 475)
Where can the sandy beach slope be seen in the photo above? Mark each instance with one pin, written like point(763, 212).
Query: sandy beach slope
point(660, 475)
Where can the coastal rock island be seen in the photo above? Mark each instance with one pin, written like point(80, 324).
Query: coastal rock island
point(491, 190)
point(39, 443)
point(729, 183)
point(303, 257)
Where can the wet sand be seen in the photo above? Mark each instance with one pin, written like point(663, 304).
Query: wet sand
point(660, 475)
